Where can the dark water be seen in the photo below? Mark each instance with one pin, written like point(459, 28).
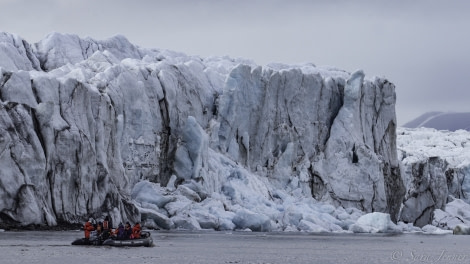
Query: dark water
point(239, 247)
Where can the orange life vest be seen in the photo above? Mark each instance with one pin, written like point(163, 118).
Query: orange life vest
point(88, 228)
point(136, 231)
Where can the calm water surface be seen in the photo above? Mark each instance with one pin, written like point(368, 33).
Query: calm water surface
point(239, 247)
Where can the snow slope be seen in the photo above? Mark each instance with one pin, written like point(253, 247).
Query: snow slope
point(94, 128)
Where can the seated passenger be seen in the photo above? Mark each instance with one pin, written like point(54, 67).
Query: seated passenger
point(127, 231)
point(88, 227)
point(119, 232)
point(107, 228)
point(99, 229)
point(106, 224)
point(136, 231)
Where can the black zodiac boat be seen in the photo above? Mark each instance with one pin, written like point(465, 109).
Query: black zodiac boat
point(145, 240)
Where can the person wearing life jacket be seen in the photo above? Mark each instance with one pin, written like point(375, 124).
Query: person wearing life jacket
point(136, 231)
point(88, 227)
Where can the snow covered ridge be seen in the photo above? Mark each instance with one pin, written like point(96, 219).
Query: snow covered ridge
point(90, 128)
point(441, 121)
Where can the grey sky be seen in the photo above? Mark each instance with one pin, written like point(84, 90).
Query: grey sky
point(421, 46)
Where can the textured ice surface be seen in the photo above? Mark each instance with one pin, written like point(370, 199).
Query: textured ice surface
point(279, 147)
point(436, 170)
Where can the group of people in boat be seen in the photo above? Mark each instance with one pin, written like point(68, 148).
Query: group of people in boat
point(104, 230)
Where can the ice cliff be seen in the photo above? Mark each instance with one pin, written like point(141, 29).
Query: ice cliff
point(436, 169)
point(93, 128)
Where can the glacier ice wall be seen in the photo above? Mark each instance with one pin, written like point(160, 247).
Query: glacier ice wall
point(435, 168)
point(83, 121)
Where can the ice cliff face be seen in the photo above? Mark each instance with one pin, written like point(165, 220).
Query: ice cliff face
point(436, 170)
point(87, 126)
point(337, 136)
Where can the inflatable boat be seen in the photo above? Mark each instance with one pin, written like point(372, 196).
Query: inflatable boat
point(144, 241)
point(140, 242)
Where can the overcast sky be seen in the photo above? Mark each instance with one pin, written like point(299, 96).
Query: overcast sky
point(423, 47)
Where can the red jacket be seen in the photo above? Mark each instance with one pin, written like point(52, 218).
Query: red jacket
point(136, 230)
point(88, 228)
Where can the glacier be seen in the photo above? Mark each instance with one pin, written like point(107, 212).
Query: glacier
point(103, 127)
point(436, 169)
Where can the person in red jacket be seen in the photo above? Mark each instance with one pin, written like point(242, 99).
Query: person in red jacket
point(88, 228)
point(136, 231)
